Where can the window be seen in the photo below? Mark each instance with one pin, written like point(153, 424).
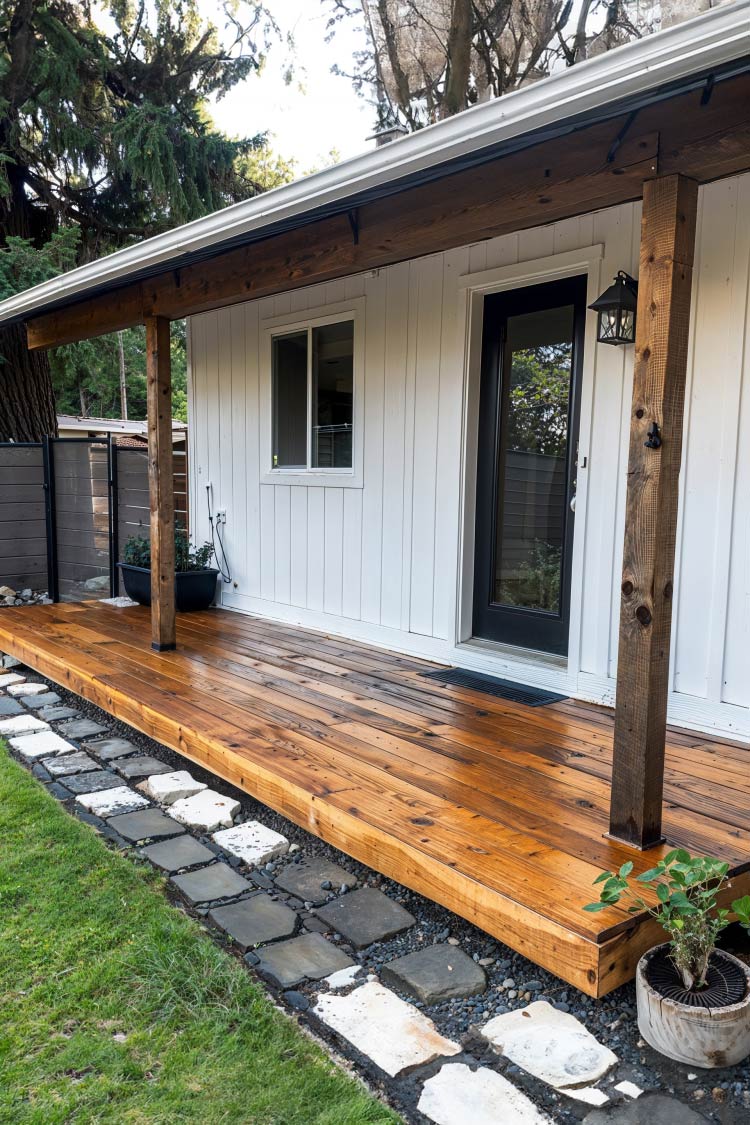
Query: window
point(313, 398)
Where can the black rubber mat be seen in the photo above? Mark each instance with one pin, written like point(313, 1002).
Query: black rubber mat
point(491, 685)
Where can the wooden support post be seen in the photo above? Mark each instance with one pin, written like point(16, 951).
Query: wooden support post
point(656, 422)
point(161, 483)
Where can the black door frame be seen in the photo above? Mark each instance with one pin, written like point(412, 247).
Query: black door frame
point(532, 629)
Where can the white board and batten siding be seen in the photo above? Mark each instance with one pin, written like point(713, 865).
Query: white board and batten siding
point(389, 559)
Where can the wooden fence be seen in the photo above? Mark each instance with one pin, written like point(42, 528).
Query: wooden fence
point(23, 532)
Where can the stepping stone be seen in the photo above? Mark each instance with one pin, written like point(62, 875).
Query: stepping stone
point(17, 690)
point(307, 957)
point(440, 972)
point(210, 883)
point(9, 706)
point(45, 699)
point(483, 1097)
point(21, 724)
point(650, 1109)
point(57, 714)
point(65, 764)
point(344, 977)
point(10, 678)
point(366, 916)
point(142, 766)
point(173, 855)
point(150, 825)
point(110, 802)
point(175, 785)
point(82, 728)
point(95, 782)
point(7, 661)
point(305, 877)
point(552, 1045)
point(40, 745)
point(252, 842)
point(120, 602)
point(255, 921)
point(206, 811)
point(391, 1032)
point(108, 748)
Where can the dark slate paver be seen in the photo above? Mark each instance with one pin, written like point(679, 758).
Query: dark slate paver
point(65, 764)
point(173, 855)
point(109, 748)
point(9, 707)
point(310, 956)
point(440, 972)
point(255, 921)
point(305, 877)
point(649, 1109)
point(95, 782)
point(57, 714)
point(366, 916)
point(81, 728)
point(44, 699)
point(208, 884)
point(142, 766)
point(148, 824)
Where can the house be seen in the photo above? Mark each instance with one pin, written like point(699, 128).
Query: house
point(425, 448)
point(127, 431)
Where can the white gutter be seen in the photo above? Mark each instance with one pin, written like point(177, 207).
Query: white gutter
point(709, 41)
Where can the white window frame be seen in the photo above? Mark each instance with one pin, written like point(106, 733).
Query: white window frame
point(305, 322)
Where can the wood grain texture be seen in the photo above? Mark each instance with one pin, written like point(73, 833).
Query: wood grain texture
point(495, 810)
point(161, 482)
point(592, 168)
point(661, 350)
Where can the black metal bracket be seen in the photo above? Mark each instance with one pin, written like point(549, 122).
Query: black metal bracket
point(48, 459)
point(114, 545)
point(654, 437)
point(708, 90)
point(353, 217)
point(621, 136)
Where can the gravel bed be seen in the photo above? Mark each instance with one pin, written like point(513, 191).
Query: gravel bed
point(513, 981)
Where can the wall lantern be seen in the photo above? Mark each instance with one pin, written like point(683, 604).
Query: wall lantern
point(615, 311)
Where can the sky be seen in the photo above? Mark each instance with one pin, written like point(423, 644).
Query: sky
point(317, 111)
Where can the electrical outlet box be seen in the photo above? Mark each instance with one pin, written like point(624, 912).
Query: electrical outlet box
point(221, 515)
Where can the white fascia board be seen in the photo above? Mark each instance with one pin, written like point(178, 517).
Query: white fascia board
point(708, 41)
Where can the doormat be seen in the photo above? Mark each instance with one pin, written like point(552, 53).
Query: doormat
point(492, 685)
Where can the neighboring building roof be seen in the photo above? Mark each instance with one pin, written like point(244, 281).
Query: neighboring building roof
point(111, 425)
point(635, 75)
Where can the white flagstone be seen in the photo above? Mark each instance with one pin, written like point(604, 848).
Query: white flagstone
point(252, 842)
point(110, 802)
point(552, 1045)
point(10, 678)
point(206, 811)
point(342, 978)
point(43, 744)
point(629, 1089)
point(21, 724)
point(166, 788)
point(27, 689)
point(394, 1034)
point(457, 1095)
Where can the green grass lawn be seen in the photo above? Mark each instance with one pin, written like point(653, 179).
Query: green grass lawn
point(116, 1007)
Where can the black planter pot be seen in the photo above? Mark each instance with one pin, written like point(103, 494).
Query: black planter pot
point(193, 589)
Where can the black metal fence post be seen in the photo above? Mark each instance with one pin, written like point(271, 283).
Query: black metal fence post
point(48, 461)
point(114, 545)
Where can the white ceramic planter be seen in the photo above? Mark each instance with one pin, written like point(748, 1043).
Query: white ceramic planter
point(704, 1037)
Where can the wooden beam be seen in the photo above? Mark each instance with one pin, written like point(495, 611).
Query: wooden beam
point(661, 348)
point(160, 481)
point(601, 165)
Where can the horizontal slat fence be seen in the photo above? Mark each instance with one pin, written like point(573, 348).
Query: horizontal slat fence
point(133, 508)
point(82, 518)
point(23, 535)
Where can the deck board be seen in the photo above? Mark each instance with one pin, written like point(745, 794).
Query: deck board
point(494, 809)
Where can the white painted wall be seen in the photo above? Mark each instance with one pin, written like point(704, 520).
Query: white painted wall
point(385, 561)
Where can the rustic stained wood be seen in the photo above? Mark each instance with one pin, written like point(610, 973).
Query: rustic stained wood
point(661, 348)
point(161, 482)
point(496, 810)
point(596, 166)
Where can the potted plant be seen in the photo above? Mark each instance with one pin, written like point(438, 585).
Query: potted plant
point(693, 999)
point(195, 578)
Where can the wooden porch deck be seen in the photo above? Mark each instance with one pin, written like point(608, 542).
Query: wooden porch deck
point(496, 810)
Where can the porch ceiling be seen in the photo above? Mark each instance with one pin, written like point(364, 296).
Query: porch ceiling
point(495, 810)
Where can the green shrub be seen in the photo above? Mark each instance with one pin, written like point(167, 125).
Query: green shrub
point(137, 552)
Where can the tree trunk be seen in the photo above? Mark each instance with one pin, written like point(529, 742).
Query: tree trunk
point(27, 401)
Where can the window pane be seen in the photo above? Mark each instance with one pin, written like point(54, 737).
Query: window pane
point(332, 395)
point(290, 401)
